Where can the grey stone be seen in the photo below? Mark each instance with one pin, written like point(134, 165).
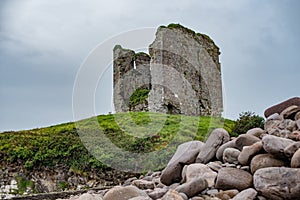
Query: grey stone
point(231, 155)
point(278, 108)
point(229, 178)
point(264, 161)
point(217, 137)
point(295, 135)
point(257, 132)
point(290, 112)
point(212, 192)
point(291, 149)
point(295, 162)
point(185, 154)
point(297, 117)
point(298, 123)
point(248, 152)
point(230, 144)
point(184, 196)
point(271, 126)
point(245, 140)
point(197, 198)
point(143, 184)
point(275, 116)
point(193, 187)
point(275, 145)
point(227, 194)
point(248, 194)
point(216, 166)
point(198, 170)
point(140, 198)
point(172, 195)
point(86, 196)
point(158, 193)
point(123, 193)
point(278, 183)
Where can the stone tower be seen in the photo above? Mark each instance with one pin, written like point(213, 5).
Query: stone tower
point(182, 75)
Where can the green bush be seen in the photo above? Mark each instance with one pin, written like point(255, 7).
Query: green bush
point(246, 121)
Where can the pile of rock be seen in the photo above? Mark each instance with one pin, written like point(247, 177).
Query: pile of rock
point(260, 164)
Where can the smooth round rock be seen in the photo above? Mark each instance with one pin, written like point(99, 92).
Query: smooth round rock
point(275, 145)
point(227, 194)
point(172, 195)
point(231, 155)
point(245, 140)
point(193, 187)
point(229, 178)
point(278, 182)
point(297, 117)
point(123, 193)
point(248, 194)
point(158, 193)
point(291, 149)
point(219, 153)
point(199, 170)
point(249, 152)
point(185, 154)
point(295, 162)
point(257, 132)
point(290, 112)
point(264, 161)
point(278, 108)
point(217, 137)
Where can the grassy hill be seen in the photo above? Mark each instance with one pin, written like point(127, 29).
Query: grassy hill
point(143, 132)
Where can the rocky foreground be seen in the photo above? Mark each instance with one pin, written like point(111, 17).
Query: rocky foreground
point(260, 164)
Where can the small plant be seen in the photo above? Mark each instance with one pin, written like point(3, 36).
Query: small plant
point(23, 184)
point(63, 185)
point(246, 121)
point(139, 96)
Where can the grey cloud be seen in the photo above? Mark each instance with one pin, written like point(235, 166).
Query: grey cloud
point(43, 46)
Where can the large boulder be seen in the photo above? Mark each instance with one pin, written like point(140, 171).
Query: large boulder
point(233, 178)
point(291, 149)
point(249, 152)
point(264, 161)
point(231, 155)
point(248, 194)
point(198, 170)
point(185, 154)
point(124, 193)
point(278, 108)
point(220, 151)
point(172, 195)
point(192, 187)
point(217, 137)
point(290, 112)
point(245, 140)
point(295, 162)
point(276, 145)
point(278, 183)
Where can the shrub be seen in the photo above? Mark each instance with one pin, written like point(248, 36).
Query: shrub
point(246, 121)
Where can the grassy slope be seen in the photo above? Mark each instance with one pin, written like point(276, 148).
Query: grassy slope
point(133, 132)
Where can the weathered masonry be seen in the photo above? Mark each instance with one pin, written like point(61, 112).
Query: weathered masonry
point(181, 75)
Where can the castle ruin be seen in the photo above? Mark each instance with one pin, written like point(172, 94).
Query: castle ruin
point(181, 75)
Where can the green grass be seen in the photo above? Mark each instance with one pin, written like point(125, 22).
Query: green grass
point(140, 133)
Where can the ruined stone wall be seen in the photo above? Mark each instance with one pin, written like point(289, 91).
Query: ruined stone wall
point(185, 75)
point(131, 71)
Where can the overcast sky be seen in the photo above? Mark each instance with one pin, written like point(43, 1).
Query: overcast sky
point(44, 42)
